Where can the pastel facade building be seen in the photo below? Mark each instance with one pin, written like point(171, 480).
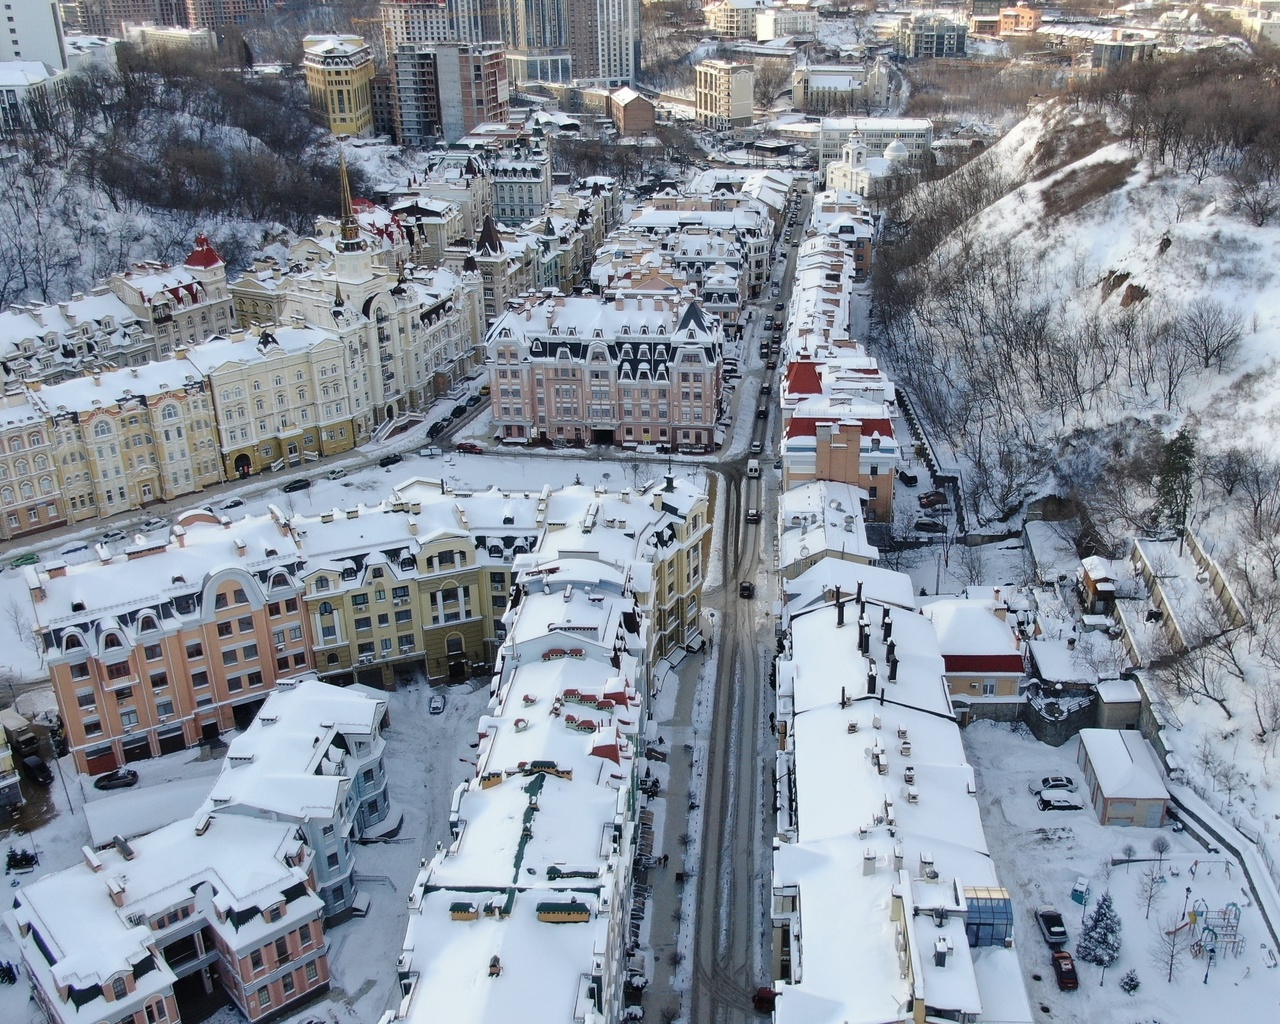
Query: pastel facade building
point(136, 930)
point(725, 94)
point(339, 71)
point(576, 369)
point(31, 497)
point(170, 643)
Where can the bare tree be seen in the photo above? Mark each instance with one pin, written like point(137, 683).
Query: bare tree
point(1160, 846)
point(1173, 940)
point(1151, 885)
point(17, 615)
point(1127, 851)
point(1211, 331)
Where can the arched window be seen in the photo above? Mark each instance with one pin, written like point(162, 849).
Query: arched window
point(22, 467)
point(4, 471)
point(46, 485)
point(102, 428)
point(169, 412)
point(72, 642)
point(41, 463)
point(34, 439)
point(302, 394)
point(27, 490)
point(15, 445)
point(279, 380)
point(322, 583)
point(111, 641)
point(148, 624)
point(6, 495)
point(326, 608)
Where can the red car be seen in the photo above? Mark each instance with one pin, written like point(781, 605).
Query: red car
point(469, 448)
point(1064, 969)
point(932, 499)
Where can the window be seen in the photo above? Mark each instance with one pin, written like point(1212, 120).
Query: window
point(159, 680)
point(264, 997)
point(85, 698)
point(230, 657)
point(235, 684)
point(282, 950)
point(224, 629)
point(255, 959)
point(287, 984)
point(313, 972)
point(164, 708)
point(152, 652)
point(255, 678)
point(251, 652)
point(199, 679)
point(118, 671)
point(195, 650)
point(333, 860)
point(156, 1012)
point(119, 989)
point(304, 934)
point(245, 623)
point(240, 597)
point(129, 718)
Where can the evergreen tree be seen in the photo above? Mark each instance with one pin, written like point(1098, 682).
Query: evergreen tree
point(1129, 983)
point(1100, 940)
point(1175, 478)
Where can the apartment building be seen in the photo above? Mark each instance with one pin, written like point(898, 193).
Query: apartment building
point(897, 841)
point(124, 439)
point(604, 41)
point(734, 19)
point(135, 932)
point(178, 305)
point(725, 96)
point(746, 222)
point(32, 30)
point(60, 340)
point(414, 21)
point(580, 370)
point(505, 261)
point(149, 36)
point(10, 785)
point(31, 497)
point(339, 70)
point(443, 90)
point(521, 176)
point(829, 88)
point(785, 20)
point(930, 35)
point(313, 756)
point(282, 396)
point(171, 642)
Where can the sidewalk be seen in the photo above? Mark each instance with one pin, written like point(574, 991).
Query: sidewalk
point(673, 887)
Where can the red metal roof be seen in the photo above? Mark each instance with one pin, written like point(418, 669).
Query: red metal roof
point(204, 255)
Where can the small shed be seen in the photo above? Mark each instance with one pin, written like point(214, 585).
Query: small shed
point(1119, 704)
point(1122, 778)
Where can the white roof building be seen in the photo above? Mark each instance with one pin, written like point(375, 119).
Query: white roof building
point(883, 887)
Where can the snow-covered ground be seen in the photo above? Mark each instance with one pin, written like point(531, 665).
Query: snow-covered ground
point(1039, 856)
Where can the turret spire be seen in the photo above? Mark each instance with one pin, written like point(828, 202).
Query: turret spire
point(350, 238)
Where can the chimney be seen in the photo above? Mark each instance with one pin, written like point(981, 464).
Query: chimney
point(872, 672)
point(868, 861)
point(91, 859)
point(859, 594)
point(97, 380)
point(57, 570)
point(241, 548)
point(116, 888)
point(839, 610)
point(887, 627)
point(940, 950)
point(121, 844)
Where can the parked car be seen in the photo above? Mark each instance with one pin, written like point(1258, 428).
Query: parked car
point(231, 503)
point(907, 479)
point(394, 459)
point(485, 389)
point(300, 484)
point(121, 778)
point(115, 536)
point(473, 401)
point(1052, 927)
point(1064, 969)
point(436, 705)
point(931, 499)
point(335, 474)
point(436, 429)
point(430, 452)
point(30, 558)
point(458, 410)
point(1058, 800)
point(74, 549)
point(153, 524)
point(469, 448)
point(37, 771)
point(930, 526)
point(746, 589)
point(1052, 782)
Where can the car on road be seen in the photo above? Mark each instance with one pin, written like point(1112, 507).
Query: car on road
point(37, 771)
point(74, 549)
point(121, 778)
point(226, 506)
point(435, 706)
point(1058, 800)
point(458, 410)
point(777, 307)
point(335, 474)
point(387, 461)
point(772, 364)
point(473, 401)
point(1064, 970)
point(469, 448)
point(932, 499)
point(1052, 927)
point(153, 524)
point(746, 589)
point(753, 515)
point(30, 558)
point(1065, 782)
point(300, 484)
point(437, 428)
point(115, 536)
point(757, 447)
point(930, 526)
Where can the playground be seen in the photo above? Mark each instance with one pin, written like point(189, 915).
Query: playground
point(1190, 929)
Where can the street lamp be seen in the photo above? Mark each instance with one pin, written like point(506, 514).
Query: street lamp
point(1185, 900)
point(1211, 954)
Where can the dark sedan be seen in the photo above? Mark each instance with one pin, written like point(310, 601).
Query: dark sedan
point(121, 778)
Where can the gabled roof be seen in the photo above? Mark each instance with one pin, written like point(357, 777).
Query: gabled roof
point(490, 240)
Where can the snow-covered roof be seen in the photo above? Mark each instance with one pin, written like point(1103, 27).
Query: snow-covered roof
point(818, 585)
point(1123, 764)
point(973, 637)
point(822, 517)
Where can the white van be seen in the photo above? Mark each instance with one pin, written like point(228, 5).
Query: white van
point(753, 467)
